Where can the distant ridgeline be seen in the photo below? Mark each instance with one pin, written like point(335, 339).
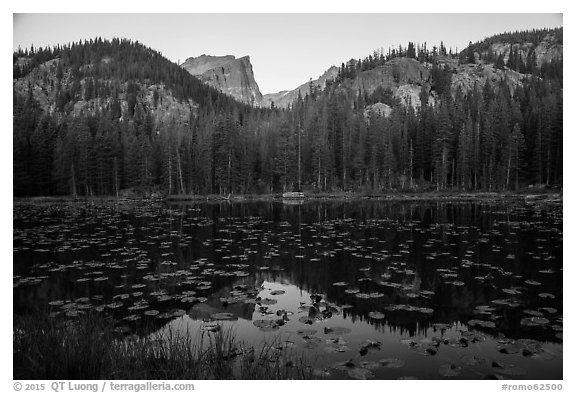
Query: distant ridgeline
point(100, 117)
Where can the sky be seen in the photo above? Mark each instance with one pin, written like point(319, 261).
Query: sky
point(285, 50)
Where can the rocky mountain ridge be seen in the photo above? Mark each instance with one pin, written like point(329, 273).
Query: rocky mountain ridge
point(406, 77)
point(284, 98)
point(228, 74)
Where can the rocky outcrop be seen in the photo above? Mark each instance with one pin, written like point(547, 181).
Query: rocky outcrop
point(405, 77)
point(378, 109)
point(155, 99)
point(231, 76)
point(468, 76)
point(410, 95)
point(397, 72)
point(284, 98)
point(550, 48)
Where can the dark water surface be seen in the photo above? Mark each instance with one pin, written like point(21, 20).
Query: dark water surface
point(360, 288)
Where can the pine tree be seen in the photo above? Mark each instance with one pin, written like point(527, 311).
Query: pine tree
point(441, 148)
point(411, 52)
point(515, 156)
point(499, 62)
point(471, 56)
point(466, 154)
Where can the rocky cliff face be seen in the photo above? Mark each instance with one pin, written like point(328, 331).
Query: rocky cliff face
point(156, 99)
point(284, 98)
point(397, 72)
point(467, 76)
point(404, 76)
point(231, 76)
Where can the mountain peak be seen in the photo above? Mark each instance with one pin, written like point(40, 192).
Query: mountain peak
point(201, 64)
point(228, 74)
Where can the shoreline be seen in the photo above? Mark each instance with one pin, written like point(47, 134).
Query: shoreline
point(527, 195)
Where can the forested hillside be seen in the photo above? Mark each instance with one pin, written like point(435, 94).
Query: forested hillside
point(99, 117)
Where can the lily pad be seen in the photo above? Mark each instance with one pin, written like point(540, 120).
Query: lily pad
point(533, 282)
point(542, 354)
point(211, 328)
point(473, 360)
point(336, 340)
point(534, 321)
point(337, 330)
point(392, 363)
point(484, 324)
point(368, 346)
point(308, 320)
point(507, 369)
point(473, 337)
point(370, 365)
point(549, 310)
point(425, 350)
point(376, 315)
point(339, 348)
point(511, 291)
point(449, 370)
point(223, 316)
point(345, 366)
point(360, 373)
point(534, 313)
point(266, 324)
point(306, 332)
point(559, 336)
point(509, 348)
point(267, 302)
point(311, 342)
point(321, 373)
point(545, 295)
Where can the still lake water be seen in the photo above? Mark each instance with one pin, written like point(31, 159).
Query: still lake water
point(360, 288)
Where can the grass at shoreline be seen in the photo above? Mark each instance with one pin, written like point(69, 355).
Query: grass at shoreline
point(89, 348)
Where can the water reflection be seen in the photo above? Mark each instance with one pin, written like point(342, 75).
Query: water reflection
point(429, 282)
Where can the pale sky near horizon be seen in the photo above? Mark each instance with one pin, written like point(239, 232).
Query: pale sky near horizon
point(286, 50)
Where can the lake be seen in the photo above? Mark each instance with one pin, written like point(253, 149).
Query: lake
point(359, 288)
